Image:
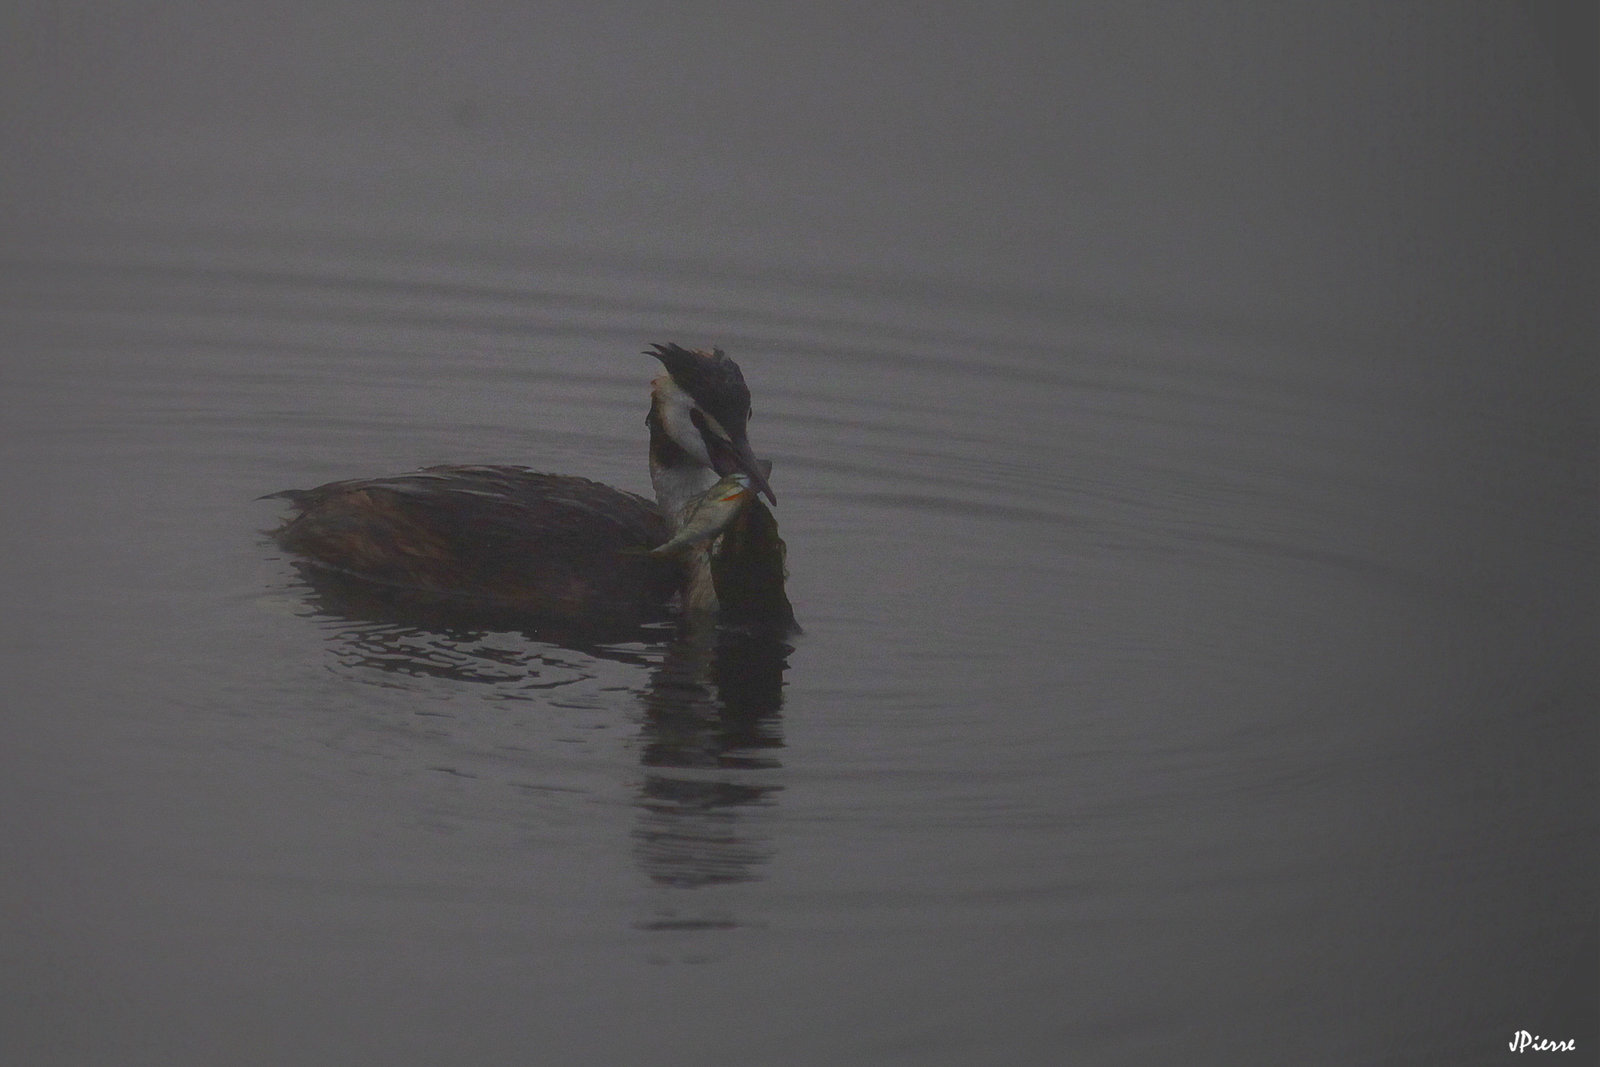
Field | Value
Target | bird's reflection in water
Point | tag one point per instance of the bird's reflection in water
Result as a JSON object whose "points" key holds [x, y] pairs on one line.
{"points": [[710, 729], [712, 732]]}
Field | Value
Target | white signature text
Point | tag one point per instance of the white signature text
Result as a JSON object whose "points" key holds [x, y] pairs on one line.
{"points": [[1522, 1041]]}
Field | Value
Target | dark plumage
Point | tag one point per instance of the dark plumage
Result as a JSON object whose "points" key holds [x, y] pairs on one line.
{"points": [[513, 539], [505, 535]]}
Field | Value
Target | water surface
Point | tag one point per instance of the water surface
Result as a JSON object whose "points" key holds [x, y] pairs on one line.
{"points": [[1185, 439]]}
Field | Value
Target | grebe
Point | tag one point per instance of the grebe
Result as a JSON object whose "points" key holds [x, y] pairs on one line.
{"points": [[557, 546]]}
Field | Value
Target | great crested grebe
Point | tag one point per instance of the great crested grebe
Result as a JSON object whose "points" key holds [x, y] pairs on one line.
{"points": [[558, 546]]}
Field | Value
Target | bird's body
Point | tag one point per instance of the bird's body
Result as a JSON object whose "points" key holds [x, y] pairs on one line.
{"points": [[511, 538]]}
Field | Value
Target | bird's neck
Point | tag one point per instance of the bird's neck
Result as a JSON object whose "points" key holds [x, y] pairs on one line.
{"points": [[677, 476], [739, 573]]}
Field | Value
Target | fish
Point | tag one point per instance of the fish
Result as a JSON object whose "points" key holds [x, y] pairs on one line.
{"points": [[708, 514]]}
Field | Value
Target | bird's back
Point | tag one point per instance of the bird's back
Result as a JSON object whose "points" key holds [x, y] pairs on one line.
{"points": [[515, 537]]}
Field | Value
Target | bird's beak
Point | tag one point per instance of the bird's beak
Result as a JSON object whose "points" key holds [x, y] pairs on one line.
{"points": [[727, 457]]}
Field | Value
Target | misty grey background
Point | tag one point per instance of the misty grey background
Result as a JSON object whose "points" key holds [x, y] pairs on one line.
{"points": [[1184, 422]]}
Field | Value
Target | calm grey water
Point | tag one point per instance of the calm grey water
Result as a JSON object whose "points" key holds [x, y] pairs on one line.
{"points": [[1184, 426]]}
